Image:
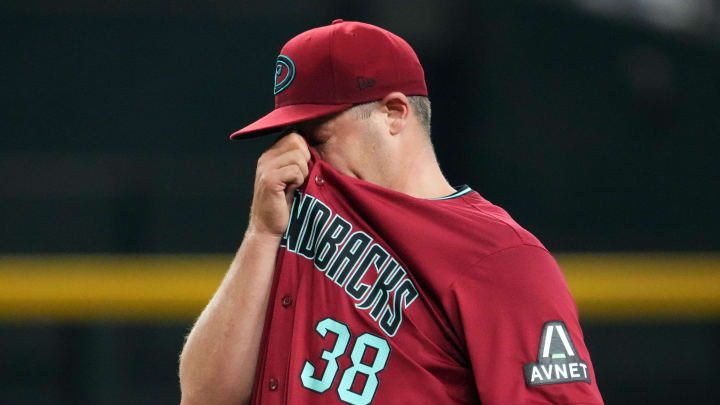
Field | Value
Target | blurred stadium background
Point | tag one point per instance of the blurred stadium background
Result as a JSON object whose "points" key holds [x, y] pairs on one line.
{"points": [[593, 122]]}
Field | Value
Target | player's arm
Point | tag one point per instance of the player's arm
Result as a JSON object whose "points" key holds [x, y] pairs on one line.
{"points": [[217, 364], [521, 330]]}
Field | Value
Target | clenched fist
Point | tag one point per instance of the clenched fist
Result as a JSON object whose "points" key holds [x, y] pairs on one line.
{"points": [[280, 171]]}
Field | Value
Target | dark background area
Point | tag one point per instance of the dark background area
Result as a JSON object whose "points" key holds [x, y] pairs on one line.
{"points": [[594, 134], [597, 134]]}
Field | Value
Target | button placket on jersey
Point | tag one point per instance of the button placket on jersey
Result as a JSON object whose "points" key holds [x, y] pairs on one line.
{"points": [[280, 337], [277, 371]]}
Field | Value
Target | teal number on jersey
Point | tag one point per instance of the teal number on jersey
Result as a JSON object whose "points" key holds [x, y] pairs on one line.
{"points": [[331, 369], [368, 391], [361, 344]]}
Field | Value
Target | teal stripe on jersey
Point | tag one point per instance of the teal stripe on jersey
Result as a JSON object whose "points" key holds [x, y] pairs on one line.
{"points": [[464, 190]]}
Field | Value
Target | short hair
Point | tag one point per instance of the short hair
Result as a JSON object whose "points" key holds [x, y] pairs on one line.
{"points": [[419, 104]]}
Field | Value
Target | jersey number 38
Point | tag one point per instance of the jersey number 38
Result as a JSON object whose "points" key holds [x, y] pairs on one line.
{"points": [[346, 394]]}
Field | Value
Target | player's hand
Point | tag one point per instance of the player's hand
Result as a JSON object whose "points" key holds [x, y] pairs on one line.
{"points": [[280, 171]]}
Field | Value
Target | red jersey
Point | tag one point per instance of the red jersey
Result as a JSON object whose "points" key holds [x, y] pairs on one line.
{"points": [[382, 298]]}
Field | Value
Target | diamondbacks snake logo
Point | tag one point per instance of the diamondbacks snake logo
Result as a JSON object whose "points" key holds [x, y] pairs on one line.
{"points": [[284, 73]]}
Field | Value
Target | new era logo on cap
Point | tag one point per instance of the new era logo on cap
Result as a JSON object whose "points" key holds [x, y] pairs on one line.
{"points": [[365, 82], [328, 69]]}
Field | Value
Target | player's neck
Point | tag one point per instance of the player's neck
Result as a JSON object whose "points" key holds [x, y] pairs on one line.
{"points": [[417, 173], [405, 162]]}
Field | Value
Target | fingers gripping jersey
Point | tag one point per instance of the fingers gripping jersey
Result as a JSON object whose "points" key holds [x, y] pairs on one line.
{"points": [[382, 298]]}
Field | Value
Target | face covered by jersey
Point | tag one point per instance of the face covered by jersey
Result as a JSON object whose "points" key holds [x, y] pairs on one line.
{"points": [[379, 297]]}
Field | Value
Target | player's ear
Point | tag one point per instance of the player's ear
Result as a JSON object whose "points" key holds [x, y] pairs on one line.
{"points": [[397, 108]]}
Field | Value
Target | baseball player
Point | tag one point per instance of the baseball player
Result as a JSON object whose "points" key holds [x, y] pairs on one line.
{"points": [[363, 276]]}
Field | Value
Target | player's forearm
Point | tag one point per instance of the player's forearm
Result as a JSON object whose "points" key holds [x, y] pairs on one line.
{"points": [[217, 365]]}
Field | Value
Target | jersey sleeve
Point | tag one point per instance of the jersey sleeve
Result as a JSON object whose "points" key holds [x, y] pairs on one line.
{"points": [[520, 326]]}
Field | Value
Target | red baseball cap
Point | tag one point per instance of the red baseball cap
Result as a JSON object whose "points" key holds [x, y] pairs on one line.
{"points": [[329, 69]]}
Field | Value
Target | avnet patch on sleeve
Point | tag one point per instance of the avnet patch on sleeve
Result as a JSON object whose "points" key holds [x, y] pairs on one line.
{"points": [[558, 361]]}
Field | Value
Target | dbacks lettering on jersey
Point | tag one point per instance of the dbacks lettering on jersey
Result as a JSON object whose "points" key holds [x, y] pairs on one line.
{"points": [[316, 233]]}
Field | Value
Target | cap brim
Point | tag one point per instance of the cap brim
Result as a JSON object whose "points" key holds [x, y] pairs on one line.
{"points": [[283, 116]]}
